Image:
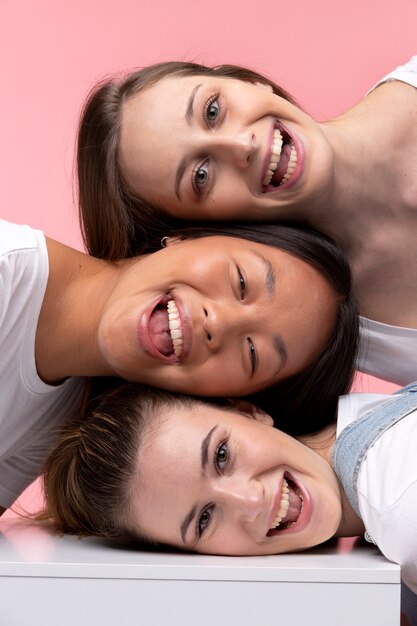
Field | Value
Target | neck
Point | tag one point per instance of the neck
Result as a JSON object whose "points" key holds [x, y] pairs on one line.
{"points": [[372, 145], [66, 337], [322, 443]]}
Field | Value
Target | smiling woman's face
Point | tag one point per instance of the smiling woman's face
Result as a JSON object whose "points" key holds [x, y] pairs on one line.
{"points": [[204, 147], [215, 316], [231, 485]]}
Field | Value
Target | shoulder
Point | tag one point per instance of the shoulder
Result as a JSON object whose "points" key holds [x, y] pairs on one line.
{"points": [[30, 417], [395, 532], [22, 249], [387, 482], [406, 73], [388, 352], [24, 268], [387, 489], [17, 237]]}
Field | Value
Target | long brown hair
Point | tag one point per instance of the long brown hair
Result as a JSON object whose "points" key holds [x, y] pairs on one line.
{"points": [[117, 223], [89, 476]]}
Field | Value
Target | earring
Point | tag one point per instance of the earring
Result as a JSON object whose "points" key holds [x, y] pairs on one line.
{"points": [[164, 242]]}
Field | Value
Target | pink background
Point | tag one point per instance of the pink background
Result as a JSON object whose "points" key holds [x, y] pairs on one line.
{"points": [[327, 53]]}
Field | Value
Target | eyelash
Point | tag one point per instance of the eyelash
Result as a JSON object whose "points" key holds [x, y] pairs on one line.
{"points": [[197, 186], [253, 355], [252, 350], [213, 99], [208, 511], [242, 284]]}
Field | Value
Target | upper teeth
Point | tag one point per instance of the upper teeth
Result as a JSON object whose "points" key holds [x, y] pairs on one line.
{"points": [[284, 505], [275, 157], [175, 330]]}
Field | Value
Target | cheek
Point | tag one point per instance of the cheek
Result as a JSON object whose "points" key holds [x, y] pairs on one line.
{"points": [[232, 540], [110, 335], [210, 378], [204, 276], [231, 194], [223, 206], [328, 514]]}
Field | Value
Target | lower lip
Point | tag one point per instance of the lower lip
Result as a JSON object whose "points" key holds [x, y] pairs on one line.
{"points": [[298, 168], [304, 517], [144, 338]]}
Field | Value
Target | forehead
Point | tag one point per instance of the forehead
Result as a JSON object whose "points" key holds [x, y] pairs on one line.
{"points": [[169, 466], [178, 86], [164, 107], [166, 100], [174, 443], [153, 126], [261, 260], [258, 255], [220, 245], [172, 449], [184, 423]]}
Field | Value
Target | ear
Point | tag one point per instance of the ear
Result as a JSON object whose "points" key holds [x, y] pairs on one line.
{"points": [[252, 411], [263, 86]]}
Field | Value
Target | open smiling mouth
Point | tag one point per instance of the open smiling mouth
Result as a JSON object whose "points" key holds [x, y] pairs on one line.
{"points": [[283, 160], [290, 508], [165, 329]]}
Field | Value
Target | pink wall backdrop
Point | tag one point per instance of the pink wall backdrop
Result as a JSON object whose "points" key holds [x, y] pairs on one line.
{"points": [[326, 52]]}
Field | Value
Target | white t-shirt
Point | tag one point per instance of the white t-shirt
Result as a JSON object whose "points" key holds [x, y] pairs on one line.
{"points": [[30, 410], [407, 73], [387, 484], [390, 352]]}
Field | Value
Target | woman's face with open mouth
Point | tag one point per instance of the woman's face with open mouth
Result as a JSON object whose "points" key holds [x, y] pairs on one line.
{"points": [[216, 482], [203, 147], [215, 316]]}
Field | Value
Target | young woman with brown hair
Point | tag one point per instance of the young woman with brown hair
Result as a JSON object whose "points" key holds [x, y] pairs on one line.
{"points": [[180, 141], [230, 484]]}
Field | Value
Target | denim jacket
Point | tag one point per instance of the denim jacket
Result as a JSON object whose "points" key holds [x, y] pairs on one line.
{"points": [[358, 437]]}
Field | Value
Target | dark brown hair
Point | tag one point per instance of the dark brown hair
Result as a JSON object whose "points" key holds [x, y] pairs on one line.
{"points": [[306, 402], [117, 223]]}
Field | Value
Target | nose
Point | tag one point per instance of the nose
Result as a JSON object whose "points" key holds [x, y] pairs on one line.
{"points": [[237, 147], [243, 497], [223, 321]]}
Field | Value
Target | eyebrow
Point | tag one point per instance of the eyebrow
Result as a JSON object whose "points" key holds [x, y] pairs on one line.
{"points": [[270, 278], [281, 349], [189, 114], [189, 111], [270, 283], [205, 445]]}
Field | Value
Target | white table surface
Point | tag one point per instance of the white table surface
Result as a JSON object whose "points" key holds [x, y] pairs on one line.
{"points": [[99, 584]]}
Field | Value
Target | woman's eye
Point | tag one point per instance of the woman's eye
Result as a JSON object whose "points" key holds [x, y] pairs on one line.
{"points": [[204, 520], [212, 110], [200, 177], [222, 456], [242, 284], [253, 355]]}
